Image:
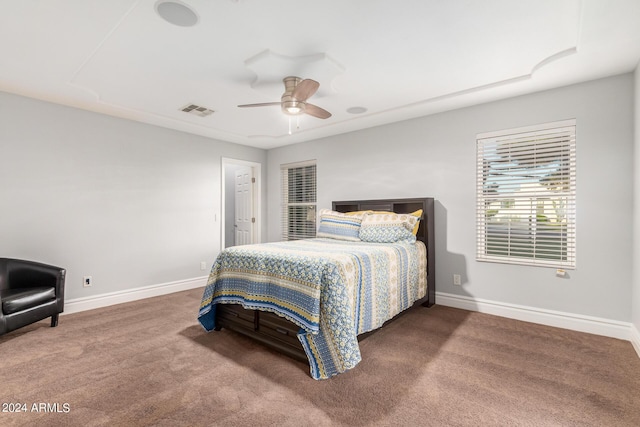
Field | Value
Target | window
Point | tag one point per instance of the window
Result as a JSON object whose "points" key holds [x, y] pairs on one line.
{"points": [[526, 204], [298, 200]]}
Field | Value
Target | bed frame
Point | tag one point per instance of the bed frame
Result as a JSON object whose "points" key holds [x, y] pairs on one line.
{"points": [[281, 334]]}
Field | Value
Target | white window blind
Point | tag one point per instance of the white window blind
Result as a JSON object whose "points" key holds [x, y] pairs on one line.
{"points": [[526, 195], [298, 200]]}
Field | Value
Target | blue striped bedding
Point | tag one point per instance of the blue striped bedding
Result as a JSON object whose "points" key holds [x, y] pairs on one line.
{"points": [[333, 290]]}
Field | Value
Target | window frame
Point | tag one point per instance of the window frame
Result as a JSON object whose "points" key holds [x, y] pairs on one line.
{"points": [[306, 220], [508, 231]]}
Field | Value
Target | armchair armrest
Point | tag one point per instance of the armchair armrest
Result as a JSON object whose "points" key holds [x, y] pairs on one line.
{"points": [[16, 273]]}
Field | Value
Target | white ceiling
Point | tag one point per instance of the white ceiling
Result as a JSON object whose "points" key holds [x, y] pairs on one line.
{"points": [[398, 59]]}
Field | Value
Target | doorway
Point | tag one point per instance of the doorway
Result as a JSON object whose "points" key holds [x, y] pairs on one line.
{"points": [[240, 202]]}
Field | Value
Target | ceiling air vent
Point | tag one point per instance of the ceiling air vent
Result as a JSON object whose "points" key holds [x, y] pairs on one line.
{"points": [[197, 110]]}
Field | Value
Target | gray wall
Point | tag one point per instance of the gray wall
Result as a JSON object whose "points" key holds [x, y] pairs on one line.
{"points": [[130, 204], [133, 205], [435, 156], [636, 210]]}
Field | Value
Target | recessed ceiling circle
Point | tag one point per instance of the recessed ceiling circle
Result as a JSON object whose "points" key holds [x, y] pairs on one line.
{"points": [[176, 13], [356, 110]]}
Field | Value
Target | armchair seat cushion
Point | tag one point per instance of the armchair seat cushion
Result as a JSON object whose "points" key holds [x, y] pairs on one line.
{"points": [[14, 300]]}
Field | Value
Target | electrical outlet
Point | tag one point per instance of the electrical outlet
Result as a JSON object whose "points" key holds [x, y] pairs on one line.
{"points": [[456, 280], [203, 265], [87, 281]]}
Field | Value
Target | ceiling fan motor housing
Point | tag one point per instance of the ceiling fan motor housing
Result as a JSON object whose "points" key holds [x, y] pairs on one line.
{"points": [[291, 105]]}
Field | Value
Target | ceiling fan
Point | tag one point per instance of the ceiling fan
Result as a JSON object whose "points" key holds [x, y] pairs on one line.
{"points": [[294, 99]]}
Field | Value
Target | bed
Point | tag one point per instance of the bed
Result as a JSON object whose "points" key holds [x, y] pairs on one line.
{"points": [[314, 299]]}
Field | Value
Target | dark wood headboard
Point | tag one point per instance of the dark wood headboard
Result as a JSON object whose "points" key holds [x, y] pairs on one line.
{"points": [[426, 230]]}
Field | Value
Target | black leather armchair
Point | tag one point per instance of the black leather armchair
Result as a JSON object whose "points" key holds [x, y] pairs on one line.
{"points": [[29, 292]]}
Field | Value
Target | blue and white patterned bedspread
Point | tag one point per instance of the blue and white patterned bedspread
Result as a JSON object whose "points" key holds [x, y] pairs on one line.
{"points": [[334, 290]]}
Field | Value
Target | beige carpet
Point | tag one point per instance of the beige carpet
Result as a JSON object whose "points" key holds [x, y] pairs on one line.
{"points": [[150, 363]]}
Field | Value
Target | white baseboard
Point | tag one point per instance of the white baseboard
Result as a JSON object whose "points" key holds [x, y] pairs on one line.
{"points": [[635, 338], [575, 322], [103, 300]]}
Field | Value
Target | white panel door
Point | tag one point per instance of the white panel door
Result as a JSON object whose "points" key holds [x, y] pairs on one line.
{"points": [[244, 206]]}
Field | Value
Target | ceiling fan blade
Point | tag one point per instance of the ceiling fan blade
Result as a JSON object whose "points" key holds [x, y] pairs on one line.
{"points": [[263, 104], [305, 89], [315, 111]]}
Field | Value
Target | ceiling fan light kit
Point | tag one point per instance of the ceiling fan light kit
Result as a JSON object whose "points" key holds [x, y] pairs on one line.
{"points": [[294, 109]]}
